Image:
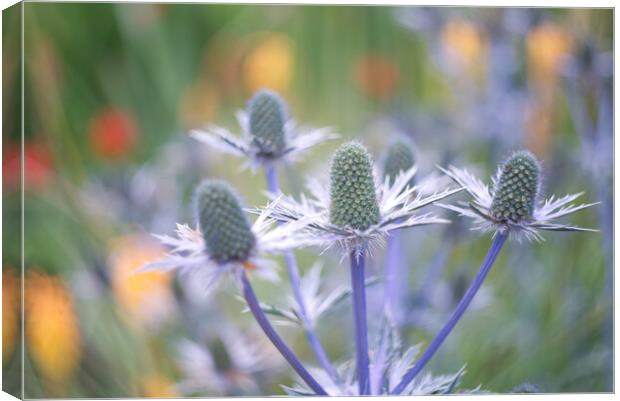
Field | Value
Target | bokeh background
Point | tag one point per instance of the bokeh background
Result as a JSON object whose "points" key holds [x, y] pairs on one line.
{"points": [[111, 91]]}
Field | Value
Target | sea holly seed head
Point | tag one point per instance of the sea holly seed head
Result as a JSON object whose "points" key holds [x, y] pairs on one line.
{"points": [[353, 197], [516, 189], [267, 113], [225, 227], [398, 158]]}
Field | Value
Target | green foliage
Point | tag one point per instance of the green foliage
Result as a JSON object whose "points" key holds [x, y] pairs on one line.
{"points": [[225, 227], [517, 188], [267, 113], [353, 197]]}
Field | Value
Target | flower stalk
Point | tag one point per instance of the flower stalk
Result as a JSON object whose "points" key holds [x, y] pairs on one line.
{"points": [[359, 319], [277, 341], [485, 268], [273, 186]]}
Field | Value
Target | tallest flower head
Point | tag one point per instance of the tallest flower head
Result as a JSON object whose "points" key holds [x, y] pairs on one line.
{"points": [[356, 211], [353, 200], [512, 203], [268, 135]]}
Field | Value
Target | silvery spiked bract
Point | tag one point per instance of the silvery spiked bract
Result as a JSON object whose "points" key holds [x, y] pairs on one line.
{"points": [[512, 203], [388, 364], [358, 212], [268, 135], [224, 240]]}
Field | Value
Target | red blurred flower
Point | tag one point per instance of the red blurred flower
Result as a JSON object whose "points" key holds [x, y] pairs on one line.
{"points": [[376, 75], [113, 134], [37, 167]]}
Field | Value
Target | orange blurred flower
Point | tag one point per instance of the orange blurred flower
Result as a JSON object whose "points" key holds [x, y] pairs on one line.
{"points": [[465, 46], [52, 334], [113, 133], [146, 297], [156, 385], [198, 105], [538, 128], [376, 75], [37, 167], [547, 47], [270, 64], [10, 311]]}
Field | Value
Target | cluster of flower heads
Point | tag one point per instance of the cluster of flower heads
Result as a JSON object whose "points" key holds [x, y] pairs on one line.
{"points": [[357, 210]]}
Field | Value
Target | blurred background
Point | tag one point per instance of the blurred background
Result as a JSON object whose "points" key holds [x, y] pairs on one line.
{"points": [[111, 91]]}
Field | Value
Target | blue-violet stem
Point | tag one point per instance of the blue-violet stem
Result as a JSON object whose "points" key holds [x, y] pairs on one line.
{"points": [[359, 319], [293, 273], [286, 352], [487, 264]]}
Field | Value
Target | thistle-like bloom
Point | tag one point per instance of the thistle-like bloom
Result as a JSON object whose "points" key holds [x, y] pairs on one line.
{"points": [[268, 135], [224, 240], [358, 212], [513, 202], [398, 158]]}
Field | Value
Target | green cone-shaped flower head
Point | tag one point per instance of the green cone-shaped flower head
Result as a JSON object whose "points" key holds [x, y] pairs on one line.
{"points": [[516, 188], [224, 225], [267, 114], [398, 158], [353, 197]]}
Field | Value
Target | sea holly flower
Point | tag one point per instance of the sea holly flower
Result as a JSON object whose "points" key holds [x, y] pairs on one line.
{"points": [[398, 158], [268, 134], [512, 204], [511, 207], [357, 211], [226, 241]]}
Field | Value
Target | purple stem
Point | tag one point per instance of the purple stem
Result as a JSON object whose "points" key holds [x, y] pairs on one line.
{"points": [[359, 318], [293, 273], [496, 246], [286, 352]]}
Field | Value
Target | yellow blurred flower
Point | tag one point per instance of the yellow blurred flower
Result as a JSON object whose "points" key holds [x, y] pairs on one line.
{"points": [[547, 47], [465, 46], [198, 105], [146, 297], [10, 311], [156, 385], [52, 334], [270, 64]]}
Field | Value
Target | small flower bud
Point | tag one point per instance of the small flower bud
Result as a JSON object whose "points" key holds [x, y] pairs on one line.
{"points": [[398, 158], [224, 225], [353, 197], [516, 189], [267, 113]]}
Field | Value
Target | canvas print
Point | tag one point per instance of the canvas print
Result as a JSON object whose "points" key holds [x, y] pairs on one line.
{"points": [[214, 200]]}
